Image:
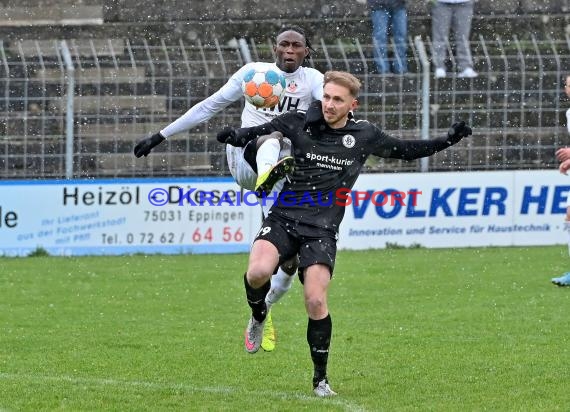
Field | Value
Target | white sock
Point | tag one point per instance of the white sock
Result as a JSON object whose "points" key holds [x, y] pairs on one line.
{"points": [[267, 155], [280, 284]]}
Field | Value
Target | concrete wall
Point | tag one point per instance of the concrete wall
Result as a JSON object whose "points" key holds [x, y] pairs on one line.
{"points": [[216, 10], [176, 10], [224, 19]]}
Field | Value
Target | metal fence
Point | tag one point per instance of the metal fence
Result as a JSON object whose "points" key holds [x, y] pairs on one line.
{"points": [[75, 108]]}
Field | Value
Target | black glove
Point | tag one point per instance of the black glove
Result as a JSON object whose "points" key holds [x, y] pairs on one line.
{"points": [[458, 131], [234, 137], [314, 120], [226, 134], [314, 113], [144, 146]]}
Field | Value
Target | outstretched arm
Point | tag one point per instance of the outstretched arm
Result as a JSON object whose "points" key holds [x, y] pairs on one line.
{"points": [[206, 109], [414, 149], [197, 114]]}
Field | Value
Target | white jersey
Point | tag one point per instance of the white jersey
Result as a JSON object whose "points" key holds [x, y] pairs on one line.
{"points": [[303, 86]]}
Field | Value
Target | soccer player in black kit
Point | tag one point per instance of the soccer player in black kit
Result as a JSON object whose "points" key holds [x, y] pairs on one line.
{"points": [[330, 148]]}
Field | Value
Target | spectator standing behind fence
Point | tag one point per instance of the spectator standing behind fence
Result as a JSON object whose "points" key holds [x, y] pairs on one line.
{"points": [[386, 16], [563, 156], [455, 15]]}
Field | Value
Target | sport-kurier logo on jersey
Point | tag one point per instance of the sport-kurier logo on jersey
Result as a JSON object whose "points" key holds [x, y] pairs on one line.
{"points": [[329, 161], [348, 141], [292, 86]]}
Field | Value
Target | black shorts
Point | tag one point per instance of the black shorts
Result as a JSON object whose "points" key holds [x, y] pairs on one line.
{"points": [[250, 153], [313, 244]]}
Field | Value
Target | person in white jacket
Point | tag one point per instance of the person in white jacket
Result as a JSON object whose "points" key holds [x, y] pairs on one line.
{"points": [[455, 15], [260, 165]]}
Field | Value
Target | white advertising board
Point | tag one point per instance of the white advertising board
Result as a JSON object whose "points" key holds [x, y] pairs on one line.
{"points": [[511, 208], [211, 215], [125, 216]]}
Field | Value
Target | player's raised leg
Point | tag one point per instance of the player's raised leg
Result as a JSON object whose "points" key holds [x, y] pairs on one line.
{"points": [[274, 161]]}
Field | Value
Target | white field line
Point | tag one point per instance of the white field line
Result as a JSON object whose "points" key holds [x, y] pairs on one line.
{"points": [[338, 401]]}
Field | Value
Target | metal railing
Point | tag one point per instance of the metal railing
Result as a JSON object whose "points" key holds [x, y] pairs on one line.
{"points": [[122, 90]]}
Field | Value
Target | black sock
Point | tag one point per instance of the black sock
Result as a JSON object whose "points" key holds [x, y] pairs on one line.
{"points": [[256, 299], [319, 334]]}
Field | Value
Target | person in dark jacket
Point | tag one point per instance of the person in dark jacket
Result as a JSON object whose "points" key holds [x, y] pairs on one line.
{"points": [[386, 16], [330, 149]]}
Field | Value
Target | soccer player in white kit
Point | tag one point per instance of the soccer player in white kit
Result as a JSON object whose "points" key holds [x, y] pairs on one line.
{"points": [[259, 159]]}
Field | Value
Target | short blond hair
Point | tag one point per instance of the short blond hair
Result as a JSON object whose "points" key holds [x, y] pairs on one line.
{"points": [[344, 79]]}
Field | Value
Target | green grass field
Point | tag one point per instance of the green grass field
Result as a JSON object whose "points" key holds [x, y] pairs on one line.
{"points": [[414, 329]]}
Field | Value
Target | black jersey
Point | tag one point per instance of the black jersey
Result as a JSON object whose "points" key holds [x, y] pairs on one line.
{"points": [[328, 162]]}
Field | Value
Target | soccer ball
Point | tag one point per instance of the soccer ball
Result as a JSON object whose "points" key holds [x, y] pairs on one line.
{"points": [[263, 86]]}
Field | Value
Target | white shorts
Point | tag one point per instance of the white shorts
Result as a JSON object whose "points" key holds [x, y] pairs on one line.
{"points": [[239, 168]]}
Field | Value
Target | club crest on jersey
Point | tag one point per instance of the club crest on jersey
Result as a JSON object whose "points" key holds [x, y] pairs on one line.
{"points": [[292, 86], [348, 141]]}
